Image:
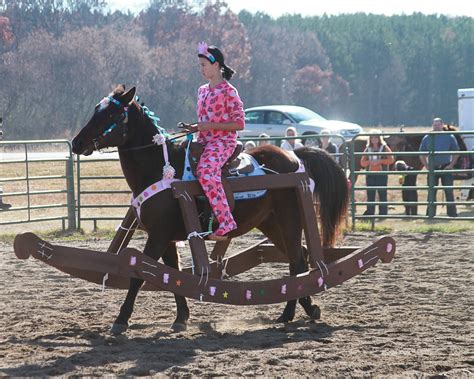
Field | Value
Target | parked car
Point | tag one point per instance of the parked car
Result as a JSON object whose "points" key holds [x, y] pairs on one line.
{"points": [[275, 119]]}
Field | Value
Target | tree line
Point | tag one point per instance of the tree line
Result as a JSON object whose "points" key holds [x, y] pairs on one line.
{"points": [[58, 58]]}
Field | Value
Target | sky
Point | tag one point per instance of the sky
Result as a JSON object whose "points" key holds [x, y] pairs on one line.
{"points": [[277, 8]]}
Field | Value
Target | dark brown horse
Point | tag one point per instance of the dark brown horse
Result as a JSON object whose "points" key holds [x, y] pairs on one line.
{"points": [[407, 143], [120, 121], [413, 142]]}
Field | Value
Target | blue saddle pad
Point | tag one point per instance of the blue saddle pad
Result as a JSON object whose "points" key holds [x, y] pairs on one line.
{"points": [[188, 175]]}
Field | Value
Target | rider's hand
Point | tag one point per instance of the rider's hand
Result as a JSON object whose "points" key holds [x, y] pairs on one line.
{"points": [[188, 127]]}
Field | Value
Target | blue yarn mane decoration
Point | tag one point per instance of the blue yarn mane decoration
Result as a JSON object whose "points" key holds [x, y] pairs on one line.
{"points": [[154, 119]]}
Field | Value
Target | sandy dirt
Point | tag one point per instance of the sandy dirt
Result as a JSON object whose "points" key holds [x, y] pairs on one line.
{"points": [[412, 317]]}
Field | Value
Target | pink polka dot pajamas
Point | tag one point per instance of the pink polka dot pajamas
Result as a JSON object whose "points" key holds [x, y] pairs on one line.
{"points": [[219, 104]]}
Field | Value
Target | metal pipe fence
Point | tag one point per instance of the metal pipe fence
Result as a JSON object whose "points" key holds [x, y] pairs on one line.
{"points": [[98, 191], [20, 170], [430, 190]]}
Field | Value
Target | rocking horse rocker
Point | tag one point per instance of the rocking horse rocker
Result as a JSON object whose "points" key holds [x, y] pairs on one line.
{"points": [[280, 206]]}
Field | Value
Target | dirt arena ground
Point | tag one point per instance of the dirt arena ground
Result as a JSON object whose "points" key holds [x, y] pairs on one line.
{"points": [[412, 317]]}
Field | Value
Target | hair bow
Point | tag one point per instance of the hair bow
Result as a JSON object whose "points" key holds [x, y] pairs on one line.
{"points": [[202, 50]]}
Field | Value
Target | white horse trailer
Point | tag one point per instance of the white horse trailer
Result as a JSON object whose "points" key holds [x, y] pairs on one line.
{"points": [[466, 122]]}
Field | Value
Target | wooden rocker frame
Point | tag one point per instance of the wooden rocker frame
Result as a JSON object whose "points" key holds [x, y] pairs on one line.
{"points": [[208, 280]]}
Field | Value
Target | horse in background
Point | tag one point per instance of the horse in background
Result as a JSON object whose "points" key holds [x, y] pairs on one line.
{"points": [[403, 143], [399, 143]]}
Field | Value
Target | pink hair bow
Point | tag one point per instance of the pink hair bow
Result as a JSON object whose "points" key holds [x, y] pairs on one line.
{"points": [[202, 50]]}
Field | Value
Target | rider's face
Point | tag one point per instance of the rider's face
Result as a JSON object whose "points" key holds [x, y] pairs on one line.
{"points": [[208, 70]]}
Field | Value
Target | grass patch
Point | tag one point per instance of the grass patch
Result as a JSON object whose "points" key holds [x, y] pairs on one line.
{"points": [[367, 227], [68, 235], [414, 226], [442, 228]]}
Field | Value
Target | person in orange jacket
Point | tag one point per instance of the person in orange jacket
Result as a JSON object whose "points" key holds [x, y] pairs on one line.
{"points": [[373, 162]]}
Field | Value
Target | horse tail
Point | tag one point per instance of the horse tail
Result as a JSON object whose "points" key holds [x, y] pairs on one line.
{"points": [[332, 189]]}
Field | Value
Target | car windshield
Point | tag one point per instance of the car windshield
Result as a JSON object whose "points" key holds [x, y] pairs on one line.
{"points": [[304, 114]]}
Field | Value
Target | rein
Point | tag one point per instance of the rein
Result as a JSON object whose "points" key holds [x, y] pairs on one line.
{"points": [[176, 135]]}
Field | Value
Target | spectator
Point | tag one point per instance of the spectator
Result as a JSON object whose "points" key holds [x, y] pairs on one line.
{"points": [[262, 143], [408, 180], [249, 146], [441, 142], [326, 144], [291, 144], [374, 163]]}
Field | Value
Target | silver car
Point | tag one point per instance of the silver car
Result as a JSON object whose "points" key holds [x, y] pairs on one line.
{"points": [[275, 119]]}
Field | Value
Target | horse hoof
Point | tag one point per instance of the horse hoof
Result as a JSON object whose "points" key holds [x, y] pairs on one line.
{"points": [[283, 319], [118, 329], [178, 327], [316, 314]]}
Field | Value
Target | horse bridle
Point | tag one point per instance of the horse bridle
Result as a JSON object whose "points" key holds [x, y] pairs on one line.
{"points": [[123, 122]]}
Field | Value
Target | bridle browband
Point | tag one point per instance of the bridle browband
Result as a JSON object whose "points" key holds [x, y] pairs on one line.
{"points": [[122, 122]]}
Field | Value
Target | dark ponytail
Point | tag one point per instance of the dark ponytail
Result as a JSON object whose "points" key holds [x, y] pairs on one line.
{"points": [[227, 72]]}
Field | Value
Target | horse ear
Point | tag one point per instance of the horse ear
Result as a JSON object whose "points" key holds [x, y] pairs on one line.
{"points": [[127, 97]]}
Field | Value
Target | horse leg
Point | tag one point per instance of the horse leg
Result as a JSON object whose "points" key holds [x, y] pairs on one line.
{"points": [[153, 249], [298, 264], [120, 324], [312, 310], [170, 258]]}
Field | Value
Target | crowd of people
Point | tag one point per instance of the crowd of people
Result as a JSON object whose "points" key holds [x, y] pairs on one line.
{"points": [[378, 158]]}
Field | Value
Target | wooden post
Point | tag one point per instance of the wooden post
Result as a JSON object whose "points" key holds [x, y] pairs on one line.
{"points": [[124, 233], [310, 223], [192, 225]]}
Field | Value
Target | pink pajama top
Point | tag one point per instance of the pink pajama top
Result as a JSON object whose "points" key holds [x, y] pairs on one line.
{"points": [[219, 104]]}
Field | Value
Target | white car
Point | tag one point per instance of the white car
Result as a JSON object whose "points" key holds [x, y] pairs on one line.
{"points": [[275, 119]]}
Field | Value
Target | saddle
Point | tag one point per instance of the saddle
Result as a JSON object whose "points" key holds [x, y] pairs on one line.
{"points": [[238, 164]]}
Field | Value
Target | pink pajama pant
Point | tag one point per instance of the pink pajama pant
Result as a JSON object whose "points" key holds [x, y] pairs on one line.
{"points": [[215, 155]]}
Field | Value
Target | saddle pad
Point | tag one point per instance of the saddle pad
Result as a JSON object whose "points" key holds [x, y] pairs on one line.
{"points": [[188, 176]]}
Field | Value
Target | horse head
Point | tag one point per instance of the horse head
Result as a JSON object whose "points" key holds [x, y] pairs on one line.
{"points": [[108, 126], [397, 142]]}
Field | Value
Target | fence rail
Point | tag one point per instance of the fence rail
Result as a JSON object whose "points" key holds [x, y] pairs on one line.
{"points": [[24, 177], [98, 192]]}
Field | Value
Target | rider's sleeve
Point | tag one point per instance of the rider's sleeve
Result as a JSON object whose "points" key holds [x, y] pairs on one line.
{"points": [[235, 108]]}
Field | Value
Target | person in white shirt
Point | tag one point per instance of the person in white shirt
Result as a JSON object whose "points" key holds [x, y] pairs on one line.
{"points": [[265, 142], [249, 146], [291, 144]]}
